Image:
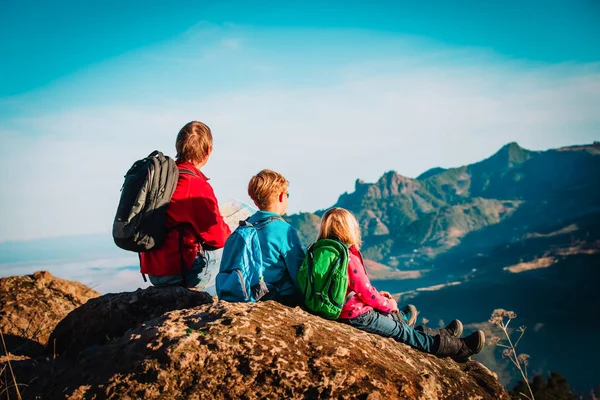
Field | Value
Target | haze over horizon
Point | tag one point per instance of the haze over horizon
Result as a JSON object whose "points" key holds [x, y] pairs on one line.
{"points": [[301, 89]]}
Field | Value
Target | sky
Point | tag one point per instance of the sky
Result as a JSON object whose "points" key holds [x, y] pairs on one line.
{"points": [[323, 92]]}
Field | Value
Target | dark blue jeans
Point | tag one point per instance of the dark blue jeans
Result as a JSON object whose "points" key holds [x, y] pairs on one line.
{"points": [[386, 326], [192, 278]]}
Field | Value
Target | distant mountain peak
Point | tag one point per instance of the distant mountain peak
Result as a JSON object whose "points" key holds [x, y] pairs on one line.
{"points": [[512, 145], [431, 172], [395, 176], [511, 148], [389, 177], [509, 155]]}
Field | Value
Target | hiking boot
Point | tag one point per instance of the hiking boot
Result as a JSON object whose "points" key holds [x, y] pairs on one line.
{"points": [[461, 350], [454, 328], [409, 314]]}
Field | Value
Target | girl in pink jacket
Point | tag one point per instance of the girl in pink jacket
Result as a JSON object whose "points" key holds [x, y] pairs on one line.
{"points": [[376, 312]]}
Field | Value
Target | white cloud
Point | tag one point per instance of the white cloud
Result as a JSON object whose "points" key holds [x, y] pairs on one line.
{"points": [[323, 129], [232, 43]]}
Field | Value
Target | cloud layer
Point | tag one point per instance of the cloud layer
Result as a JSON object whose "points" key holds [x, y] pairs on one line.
{"points": [[331, 108]]}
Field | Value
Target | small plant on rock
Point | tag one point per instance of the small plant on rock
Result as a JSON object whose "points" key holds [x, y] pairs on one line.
{"points": [[510, 349]]}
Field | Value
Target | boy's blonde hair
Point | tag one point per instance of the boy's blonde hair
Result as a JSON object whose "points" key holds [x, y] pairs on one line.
{"points": [[194, 142], [339, 223], [264, 185]]}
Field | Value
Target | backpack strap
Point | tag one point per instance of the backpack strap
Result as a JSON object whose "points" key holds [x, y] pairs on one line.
{"points": [[311, 266], [181, 259], [185, 171], [181, 229], [266, 222], [349, 296], [246, 223], [143, 275], [261, 223]]}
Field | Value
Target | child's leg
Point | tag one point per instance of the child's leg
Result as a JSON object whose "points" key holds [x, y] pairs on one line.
{"points": [[387, 327], [454, 328]]}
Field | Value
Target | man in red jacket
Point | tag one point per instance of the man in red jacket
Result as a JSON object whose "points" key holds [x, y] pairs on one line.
{"points": [[193, 220]]}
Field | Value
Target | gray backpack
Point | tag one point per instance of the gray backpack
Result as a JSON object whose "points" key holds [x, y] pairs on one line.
{"points": [[140, 220]]}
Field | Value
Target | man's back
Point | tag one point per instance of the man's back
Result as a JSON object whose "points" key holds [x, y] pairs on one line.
{"points": [[194, 208]]}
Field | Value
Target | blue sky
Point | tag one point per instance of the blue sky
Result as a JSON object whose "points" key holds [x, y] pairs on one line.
{"points": [[325, 92]]}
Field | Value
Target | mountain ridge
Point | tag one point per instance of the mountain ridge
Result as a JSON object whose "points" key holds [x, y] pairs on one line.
{"points": [[435, 210], [518, 230]]}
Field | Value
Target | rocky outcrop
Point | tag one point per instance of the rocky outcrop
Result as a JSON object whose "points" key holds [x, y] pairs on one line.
{"points": [[251, 351], [110, 316], [32, 305]]}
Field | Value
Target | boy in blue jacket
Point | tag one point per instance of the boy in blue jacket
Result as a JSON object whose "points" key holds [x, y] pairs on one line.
{"points": [[282, 252]]}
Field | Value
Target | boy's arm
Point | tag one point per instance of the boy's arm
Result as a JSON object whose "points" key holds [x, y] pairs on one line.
{"points": [[208, 221], [293, 255]]}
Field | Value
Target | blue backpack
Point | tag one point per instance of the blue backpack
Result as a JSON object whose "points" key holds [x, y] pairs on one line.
{"points": [[240, 277]]}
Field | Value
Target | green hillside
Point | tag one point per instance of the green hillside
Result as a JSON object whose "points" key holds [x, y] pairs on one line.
{"points": [[407, 223]]}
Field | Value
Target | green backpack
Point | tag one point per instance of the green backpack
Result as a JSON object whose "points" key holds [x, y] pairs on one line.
{"points": [[323, 278]]}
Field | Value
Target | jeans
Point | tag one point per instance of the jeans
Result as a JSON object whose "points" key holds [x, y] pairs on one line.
{"points": [[386, 326], [201, 275]]}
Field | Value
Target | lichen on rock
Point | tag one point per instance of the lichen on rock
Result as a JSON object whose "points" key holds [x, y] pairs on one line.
{"points": [[202, 348]]}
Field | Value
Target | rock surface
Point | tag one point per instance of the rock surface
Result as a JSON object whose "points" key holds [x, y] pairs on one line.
{"points": [[247, 351], [32, 305], [110, 316]]}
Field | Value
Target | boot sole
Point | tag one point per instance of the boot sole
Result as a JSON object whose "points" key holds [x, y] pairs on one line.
{"points": [[481, 336], [481, 342], [413, 315], [459, 331], [456, 333]]}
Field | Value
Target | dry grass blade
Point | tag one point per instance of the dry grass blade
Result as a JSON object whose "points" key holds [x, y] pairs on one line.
{"points": [[16, 386], [11, 386]]}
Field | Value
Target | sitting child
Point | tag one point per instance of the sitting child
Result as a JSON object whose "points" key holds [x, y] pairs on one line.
{"points": [[281, 252], [372, 311]]}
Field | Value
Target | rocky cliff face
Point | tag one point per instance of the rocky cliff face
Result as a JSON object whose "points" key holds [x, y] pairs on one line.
{"points": [[32, 305], [515, 190], [211, 349]]}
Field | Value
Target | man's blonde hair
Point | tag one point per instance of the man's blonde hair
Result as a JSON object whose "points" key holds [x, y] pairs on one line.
{"points": [[264, 185], [194, 142], [339, 223]]}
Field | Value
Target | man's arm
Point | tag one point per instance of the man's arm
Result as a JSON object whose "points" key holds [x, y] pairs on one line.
{"points": [[208, 221]]}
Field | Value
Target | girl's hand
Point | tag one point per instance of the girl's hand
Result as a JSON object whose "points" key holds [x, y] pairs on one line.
{"points": [[394, 305], [385, 294]]}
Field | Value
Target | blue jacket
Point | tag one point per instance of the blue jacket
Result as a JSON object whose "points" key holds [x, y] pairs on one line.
{"points": [[282, 255]]}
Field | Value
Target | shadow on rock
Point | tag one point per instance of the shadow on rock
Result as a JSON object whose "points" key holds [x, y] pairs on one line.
{"points": [[110, 316]]}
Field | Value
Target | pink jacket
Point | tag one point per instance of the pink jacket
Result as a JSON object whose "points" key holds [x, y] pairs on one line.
{"points": [[365, 297]]}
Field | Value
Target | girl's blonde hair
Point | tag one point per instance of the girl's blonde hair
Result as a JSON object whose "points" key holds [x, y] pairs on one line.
{"points": [[339, 223]]}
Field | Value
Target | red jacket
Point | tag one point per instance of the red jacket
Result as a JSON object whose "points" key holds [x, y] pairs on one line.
{"points": [[365, 297], [193, 203]]}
